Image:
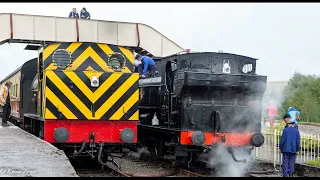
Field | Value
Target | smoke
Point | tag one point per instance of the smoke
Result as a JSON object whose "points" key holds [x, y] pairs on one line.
{"points": [[140, 152], [246, 117], [221, 161], [274, 94]]}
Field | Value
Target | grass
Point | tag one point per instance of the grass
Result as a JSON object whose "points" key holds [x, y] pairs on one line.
{"points": [[313, 163]]}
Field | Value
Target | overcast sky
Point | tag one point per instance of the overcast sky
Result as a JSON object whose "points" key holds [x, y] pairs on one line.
{"points": [[284, 36]]}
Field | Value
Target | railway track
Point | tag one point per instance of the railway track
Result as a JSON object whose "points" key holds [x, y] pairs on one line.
{"points": [[268, 173], [111, 172], [187, 173], [146, 166], [134, 168]]}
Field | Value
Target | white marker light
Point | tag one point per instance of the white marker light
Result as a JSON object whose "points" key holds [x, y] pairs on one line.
{"points": [[226, 67], [94, 81]]}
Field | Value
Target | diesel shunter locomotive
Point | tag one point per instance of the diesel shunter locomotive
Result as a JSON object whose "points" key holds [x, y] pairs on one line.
{"points": [[198, 101], [81, 97]]}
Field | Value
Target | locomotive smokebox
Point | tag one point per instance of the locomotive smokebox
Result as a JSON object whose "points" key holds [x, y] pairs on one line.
{"points": [[257, 139], [61, 135], [198, 138]]}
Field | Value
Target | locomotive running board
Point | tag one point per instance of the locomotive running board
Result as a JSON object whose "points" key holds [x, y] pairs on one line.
{"points": [[35, 29]]}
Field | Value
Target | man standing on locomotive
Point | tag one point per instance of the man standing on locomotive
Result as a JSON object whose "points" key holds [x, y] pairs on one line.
{"points": [[5, 97], [148, 64]]}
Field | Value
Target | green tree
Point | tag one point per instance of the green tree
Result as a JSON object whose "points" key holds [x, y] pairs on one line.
{"points": [[303, 93]]}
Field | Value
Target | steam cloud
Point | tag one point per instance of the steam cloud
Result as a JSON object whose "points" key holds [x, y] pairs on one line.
{"points": [[220, 159], [274, 94], [224, 165]]}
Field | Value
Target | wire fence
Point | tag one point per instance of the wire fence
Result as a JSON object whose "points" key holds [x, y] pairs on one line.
{"points": [[269, 151]]}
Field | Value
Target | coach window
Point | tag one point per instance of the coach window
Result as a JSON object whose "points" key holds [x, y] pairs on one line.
{"points": [[34, 85], [16, 90]]}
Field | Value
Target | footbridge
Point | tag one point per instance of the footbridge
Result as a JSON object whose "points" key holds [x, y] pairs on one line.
{"points": [[41, 30]]}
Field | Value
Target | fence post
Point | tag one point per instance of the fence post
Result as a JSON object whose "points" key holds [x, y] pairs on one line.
{"points": [[274, 148], [318, 138]]}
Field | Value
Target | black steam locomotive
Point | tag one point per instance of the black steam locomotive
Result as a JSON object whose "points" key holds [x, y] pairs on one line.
{"points": [[198, 101]]}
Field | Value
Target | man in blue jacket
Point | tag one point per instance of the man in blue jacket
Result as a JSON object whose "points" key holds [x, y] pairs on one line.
{"points": [[84, 14], [148, 64], [289, 146], [74, 14]]}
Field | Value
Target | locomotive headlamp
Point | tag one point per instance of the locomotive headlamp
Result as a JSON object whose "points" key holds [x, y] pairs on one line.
{"points": [[61, 135], [94, 81], [226, 67], [198, 138], [257, 139], [127, 135]]}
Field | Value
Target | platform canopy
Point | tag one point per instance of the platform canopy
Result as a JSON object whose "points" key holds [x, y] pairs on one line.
{"points": [[35, 29]]}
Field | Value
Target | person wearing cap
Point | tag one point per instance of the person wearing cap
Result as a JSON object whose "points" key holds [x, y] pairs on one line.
{"points": [[84, 14], [73, 13], [148, 64], [286, 119], [289, 145]]}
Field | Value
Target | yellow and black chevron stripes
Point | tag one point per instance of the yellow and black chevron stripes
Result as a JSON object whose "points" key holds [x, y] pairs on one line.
{"points": [[88, 56], [70, 96]]}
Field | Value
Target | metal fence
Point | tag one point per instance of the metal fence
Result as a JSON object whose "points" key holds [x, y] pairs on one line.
{"points": [[269, 151]]}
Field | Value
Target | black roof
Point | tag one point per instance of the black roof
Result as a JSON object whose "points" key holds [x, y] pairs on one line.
{"points": [[203, 53]]}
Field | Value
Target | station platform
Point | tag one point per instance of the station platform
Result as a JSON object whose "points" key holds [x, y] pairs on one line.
{"points": [[25, 155]]}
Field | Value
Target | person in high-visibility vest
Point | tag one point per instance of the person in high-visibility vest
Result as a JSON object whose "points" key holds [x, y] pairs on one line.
{"points": [[5, 97]]}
